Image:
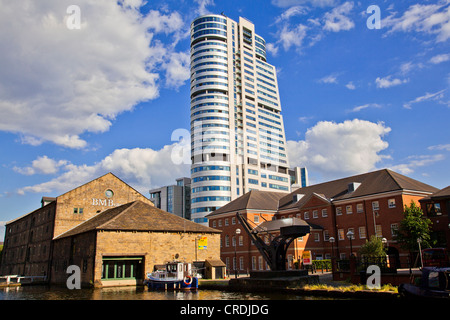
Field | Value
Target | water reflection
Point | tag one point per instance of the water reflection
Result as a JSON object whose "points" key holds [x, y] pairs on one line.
{"points": [[130, 293]]}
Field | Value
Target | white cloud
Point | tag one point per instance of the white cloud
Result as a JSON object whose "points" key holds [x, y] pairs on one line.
{"points": [[332, 78], [431, 19], [272, 49], [428, 96], [365, 106], [289, 3], [292, 12], [337, 20], [57, 84], [350, 86], [289, 37], [42, 165], [417, 161], [336, 149], [440, 147], [388, 82], [141, 168], [178, 69], [202, 4], [440, 58]]}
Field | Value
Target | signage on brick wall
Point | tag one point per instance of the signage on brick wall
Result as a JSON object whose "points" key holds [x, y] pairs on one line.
{"points": [[306, 257], [103, 202], [203, 243]]}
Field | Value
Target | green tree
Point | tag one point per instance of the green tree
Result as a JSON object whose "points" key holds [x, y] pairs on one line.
{"points": [[373, 248], [413, 226]]}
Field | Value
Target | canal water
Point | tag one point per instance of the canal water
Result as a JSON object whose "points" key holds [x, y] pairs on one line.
{"points": [[134, 293]]}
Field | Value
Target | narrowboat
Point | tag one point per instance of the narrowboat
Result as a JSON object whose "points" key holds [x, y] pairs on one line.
{"points": [[434, 283]]}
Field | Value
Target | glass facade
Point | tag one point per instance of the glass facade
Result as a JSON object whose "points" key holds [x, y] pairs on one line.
{"points": [[236, 116]]}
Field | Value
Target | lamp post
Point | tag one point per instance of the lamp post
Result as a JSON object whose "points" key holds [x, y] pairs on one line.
{"points": [[332, 240], [350, 237], [238, 232]]}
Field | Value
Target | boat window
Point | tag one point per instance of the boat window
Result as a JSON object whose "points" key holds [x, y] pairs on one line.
{"points": [[433, 280]]}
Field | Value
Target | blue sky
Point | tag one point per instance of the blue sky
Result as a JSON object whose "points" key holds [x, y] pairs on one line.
{"points": [[78, 103]]}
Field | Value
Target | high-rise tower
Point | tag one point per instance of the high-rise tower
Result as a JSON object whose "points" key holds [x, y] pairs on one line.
{"points": [[237, 133]]}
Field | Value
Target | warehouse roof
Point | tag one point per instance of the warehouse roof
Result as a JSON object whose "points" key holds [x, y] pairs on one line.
{"points": [[137, 216]]}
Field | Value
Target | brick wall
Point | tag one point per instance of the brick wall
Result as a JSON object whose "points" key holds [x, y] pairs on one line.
{"points": [[155, 248]]}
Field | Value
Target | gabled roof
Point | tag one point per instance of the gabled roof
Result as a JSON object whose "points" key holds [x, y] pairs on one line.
{"points": [[137, 216], [99, 178], [441, 194], [371, 183], [254, 199], [300, 203]]}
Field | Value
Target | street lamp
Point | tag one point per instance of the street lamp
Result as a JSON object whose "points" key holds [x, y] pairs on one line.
{"points": [[350, 237], [332, 240], [238, 232]]}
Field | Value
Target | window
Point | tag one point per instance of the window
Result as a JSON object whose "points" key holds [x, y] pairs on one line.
{"points": [[326, 235], [316, 237], [241, 241], [256, 219], [338, 211], [121, 268], [214, 223], [306, 215], [433, 209], [378, 230], [233, 220], [353, 231], [253, 263], [315, 213], [341, 235], [391, 203], [375, 205], [77, 210], [362, 232], [359, 208], [220, 223], [394, 228], [324, 213], [241, 263], [226, 222], [349, 209]]}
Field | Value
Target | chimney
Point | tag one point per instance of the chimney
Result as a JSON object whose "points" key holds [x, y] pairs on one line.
{"points": [[353, 186], [297, 197]]}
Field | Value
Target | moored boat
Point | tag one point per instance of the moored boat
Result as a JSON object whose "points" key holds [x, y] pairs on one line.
{"points": [[175, 276], [434, 283]]}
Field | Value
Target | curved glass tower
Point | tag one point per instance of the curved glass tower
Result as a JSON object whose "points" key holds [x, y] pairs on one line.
{"points": [[237, 132]]}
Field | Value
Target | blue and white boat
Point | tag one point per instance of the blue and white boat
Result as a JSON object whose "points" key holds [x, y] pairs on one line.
{"points": [[175, 276]]}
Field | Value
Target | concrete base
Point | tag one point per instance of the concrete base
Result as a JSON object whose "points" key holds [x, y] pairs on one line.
{"points": [[278, 274], [273, 280]]}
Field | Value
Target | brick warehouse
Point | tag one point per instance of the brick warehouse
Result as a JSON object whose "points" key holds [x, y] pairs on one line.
{"points": [[367, 204], [79, 223]]}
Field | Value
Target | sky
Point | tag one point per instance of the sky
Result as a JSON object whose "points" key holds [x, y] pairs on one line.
{"points": [[104, 87]]}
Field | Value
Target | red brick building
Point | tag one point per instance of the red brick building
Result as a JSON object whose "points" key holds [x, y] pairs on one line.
{"points": [[437, 207], [366, 204]]}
